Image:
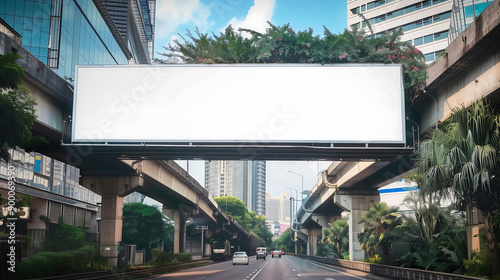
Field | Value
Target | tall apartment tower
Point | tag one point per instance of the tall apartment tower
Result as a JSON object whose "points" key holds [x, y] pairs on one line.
{"points": [[425, 24], [278, 208], [245, 180]]}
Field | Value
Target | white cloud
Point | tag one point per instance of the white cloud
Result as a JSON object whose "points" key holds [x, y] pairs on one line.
{"points": [[257, 17], [170, 14]]}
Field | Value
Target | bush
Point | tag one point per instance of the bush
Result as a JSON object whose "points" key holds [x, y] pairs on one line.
{"points": [[47, 264], [160, 258], [183, 257], [73, 236], [479, 266]]}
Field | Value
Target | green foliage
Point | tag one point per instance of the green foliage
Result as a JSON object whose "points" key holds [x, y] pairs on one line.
{"points": [[247, 219], [479, 265], [433, 240], [377, 222], [47, 264], [160, 258], [144, 226], [182, 257], [17, 112], [284, 242], [461, 160], [11, 74], [235, 207], [62, 237], [376, 260], [16, 210], [338, 236]]}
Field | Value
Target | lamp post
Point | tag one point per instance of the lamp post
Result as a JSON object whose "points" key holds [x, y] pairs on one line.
{"points": [[202, 228], [302, 178], [296, 195]]}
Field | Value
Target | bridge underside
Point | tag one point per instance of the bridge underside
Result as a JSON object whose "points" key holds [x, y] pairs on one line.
{"points": [[244, 151]]}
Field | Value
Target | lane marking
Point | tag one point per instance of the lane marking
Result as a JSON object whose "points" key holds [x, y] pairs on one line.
{"points": [[325, 267], [262, 267]]}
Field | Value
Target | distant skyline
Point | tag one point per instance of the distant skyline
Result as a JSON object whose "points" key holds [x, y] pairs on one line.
{"points": [[174, 17]]}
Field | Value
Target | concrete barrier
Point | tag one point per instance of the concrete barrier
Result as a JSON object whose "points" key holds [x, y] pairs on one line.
{"points": [[390, 271]]}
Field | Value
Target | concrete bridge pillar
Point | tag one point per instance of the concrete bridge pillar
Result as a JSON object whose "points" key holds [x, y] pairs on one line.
{"points": [[179, 219], [355, 201], [313, 237], [112, 190]]}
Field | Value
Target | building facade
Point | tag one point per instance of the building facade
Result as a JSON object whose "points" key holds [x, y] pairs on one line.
{"points": [[425, 24], [64, 33], [278, 208], [55, 36], [245, 180]]}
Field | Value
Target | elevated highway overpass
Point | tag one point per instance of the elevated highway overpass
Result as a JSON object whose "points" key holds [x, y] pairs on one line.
{"points": [[468, 71]]}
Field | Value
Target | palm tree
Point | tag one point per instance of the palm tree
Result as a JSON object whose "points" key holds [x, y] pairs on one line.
{"points": [[338, 235], [379, 219], [460, 160]]}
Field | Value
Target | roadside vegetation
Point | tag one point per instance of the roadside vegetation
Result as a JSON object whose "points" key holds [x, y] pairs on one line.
{"points": [[252, 222]]}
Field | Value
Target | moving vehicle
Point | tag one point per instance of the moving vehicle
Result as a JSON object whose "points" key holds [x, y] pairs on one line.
{"points": [[240, 257], [276, 253], [261, 253]]}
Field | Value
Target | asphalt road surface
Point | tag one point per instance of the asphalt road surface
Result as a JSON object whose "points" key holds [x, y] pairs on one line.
{"points": [[286, 267]]}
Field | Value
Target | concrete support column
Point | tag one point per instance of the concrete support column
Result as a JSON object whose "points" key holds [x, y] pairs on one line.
{"points": [[313, 236], [111, 227], [179, 229], [112, 190], [355, 201]]}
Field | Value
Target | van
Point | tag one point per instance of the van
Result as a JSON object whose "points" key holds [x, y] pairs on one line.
{"points": [[261, 252]]}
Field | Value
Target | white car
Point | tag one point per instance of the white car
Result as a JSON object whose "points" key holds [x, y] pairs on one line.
{"points": [[240, 258]]}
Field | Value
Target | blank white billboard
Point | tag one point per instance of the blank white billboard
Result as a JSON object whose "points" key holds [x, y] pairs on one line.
{"points": [[250, 103]]}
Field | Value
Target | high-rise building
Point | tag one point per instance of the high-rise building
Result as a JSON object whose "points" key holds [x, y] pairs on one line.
{"points": [[245, 180], [63, 33], [425, 24], [278, 208]]}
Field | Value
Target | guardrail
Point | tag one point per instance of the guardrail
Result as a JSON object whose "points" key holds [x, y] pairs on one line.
{"points": [[396, 272], [105, 275]]}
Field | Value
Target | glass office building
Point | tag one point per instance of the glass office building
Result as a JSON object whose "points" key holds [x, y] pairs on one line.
{"points": [[64, 33], [464, 13], [45, 173]]}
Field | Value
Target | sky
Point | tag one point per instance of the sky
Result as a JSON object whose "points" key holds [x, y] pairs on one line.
{"points": [[174, 17]]}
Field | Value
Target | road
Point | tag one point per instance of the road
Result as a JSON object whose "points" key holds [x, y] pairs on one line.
{"points": [[286, 267]]}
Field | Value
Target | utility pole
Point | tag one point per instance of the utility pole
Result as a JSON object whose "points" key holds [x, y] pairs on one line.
{"points": [[202, 228]]}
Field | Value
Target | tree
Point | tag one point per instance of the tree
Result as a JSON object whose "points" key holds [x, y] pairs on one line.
{"points": [[248, 219], [284, 242], [144, 225], [234, 206], [338, 235], [17, 113], [63, 237], [379, 219], [461, 160]]}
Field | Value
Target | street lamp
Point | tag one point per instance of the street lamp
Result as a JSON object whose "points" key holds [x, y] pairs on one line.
{"points": [[296, 195], [301, 177]]}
